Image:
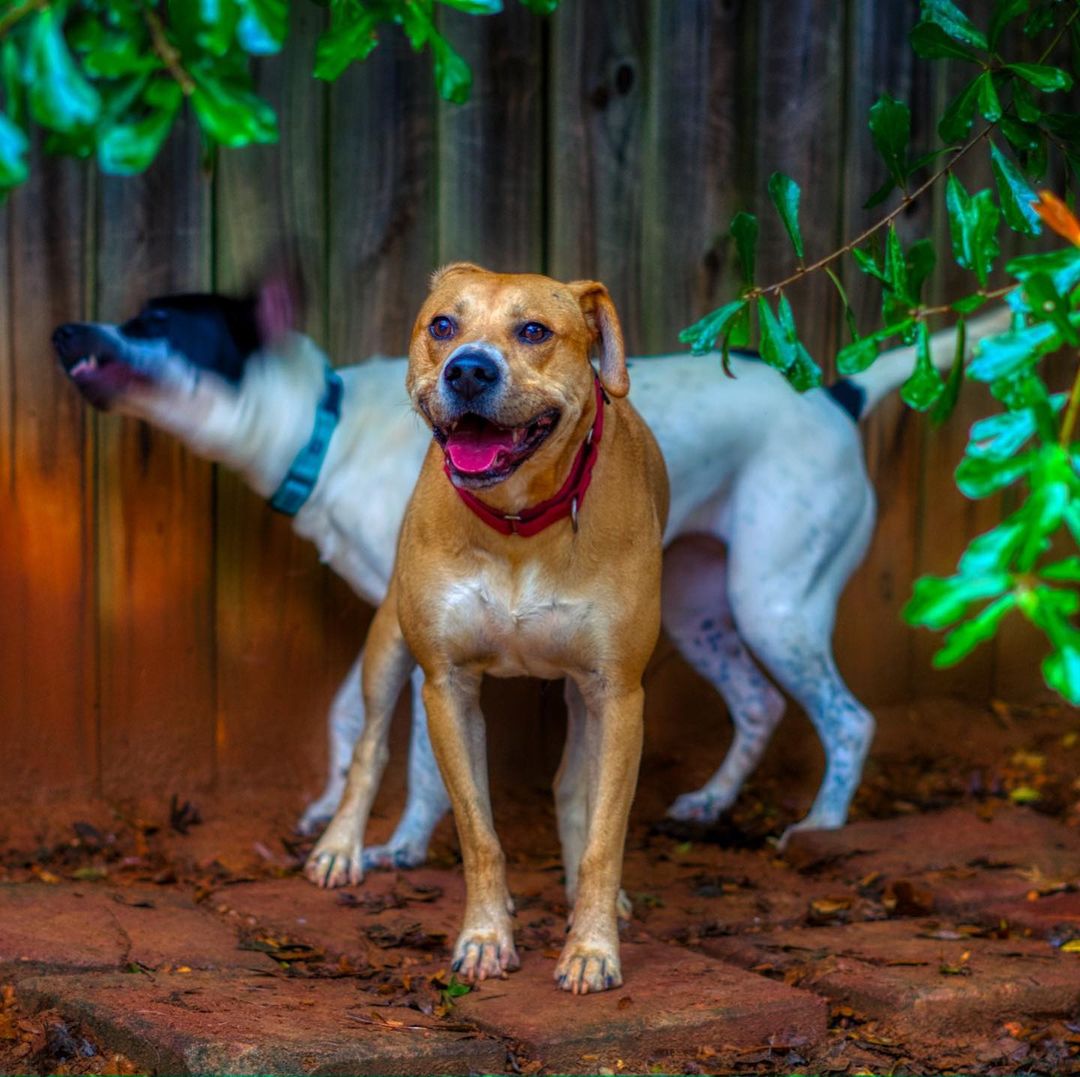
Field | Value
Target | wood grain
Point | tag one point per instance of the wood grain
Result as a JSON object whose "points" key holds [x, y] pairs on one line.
{"points": [[47, 658], [155, 549]]}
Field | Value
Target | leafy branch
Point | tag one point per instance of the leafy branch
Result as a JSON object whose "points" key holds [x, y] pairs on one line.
{"points": [[1031, 444], [110, 79]]}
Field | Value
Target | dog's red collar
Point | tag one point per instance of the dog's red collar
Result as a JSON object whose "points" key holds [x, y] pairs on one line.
{"points": [[567, 502]]}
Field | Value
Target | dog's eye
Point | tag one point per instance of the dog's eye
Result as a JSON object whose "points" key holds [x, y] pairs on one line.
{"points": [[442, 328], [534, 333]]}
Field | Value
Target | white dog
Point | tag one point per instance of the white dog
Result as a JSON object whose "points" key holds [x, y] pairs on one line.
{"points": [[777, 476]]}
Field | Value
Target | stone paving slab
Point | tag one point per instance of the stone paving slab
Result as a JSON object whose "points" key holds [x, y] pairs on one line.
{"points": [[673, 1001], [892, 971], [1004, 838], [95, 926], [204, 1023], [1055, 916]]}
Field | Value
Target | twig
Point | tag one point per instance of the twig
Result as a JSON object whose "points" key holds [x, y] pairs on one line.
{"points": [[1072, 409], [167, 52], [946, 308], [20, 12], [821, 263], [775, 289]]}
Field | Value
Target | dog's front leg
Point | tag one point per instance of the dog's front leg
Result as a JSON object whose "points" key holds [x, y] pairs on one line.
{"points": [[337, 858], [426, 800], [485, 947], [590, 958]]}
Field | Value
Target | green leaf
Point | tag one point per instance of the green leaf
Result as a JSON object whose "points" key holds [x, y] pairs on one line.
{"points": [[896, 300], [1001, 436], [921, 259], [744, 230], [777, 340], [962, 640], [868, 264], [1022, 136], [973, 224], [453, 77], [475, 7], [849, 314], [1042, 77], [890, 128], [1015, 194], [1010, 354], [1061, 671], [924, 386], [13, 149], [128, 148], [1004, 12], [540, 7], [937, 602], [784, 192], [1048, 305], [979, 477], [932, 43], [946, 403], [1025, 105], [230, 113], [263, 26], [989, 103], [804, 373], [60, 97], [858, 355], [350, 38], [955, 24], [956, 121], [1062, 267], [993, 550], [702, 335], [1065, 571]]}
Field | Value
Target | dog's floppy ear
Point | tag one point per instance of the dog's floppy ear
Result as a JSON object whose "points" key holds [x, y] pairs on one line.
{"points": [[599, 311], [449, 270]]}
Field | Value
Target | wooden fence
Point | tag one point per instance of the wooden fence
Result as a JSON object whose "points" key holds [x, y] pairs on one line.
{"points": [[158, 623]]}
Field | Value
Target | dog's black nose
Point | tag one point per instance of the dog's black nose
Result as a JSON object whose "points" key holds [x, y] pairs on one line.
{"points": [[470, 374]]}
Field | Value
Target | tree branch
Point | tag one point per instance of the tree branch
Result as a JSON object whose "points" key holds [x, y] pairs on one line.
{"points": [[167, 52], [19, 12]]}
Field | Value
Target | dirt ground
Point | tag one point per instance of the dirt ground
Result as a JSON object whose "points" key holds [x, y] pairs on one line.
{"points": [[939, 931]]}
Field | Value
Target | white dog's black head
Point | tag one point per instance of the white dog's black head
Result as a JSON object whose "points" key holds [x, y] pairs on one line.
{"points": [[167, 345]]}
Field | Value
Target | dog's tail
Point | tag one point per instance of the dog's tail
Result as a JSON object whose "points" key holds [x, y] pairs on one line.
{"points": [[861, 393]]}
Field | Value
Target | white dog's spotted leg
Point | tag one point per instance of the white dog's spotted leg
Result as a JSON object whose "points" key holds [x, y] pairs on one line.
{"points": [[346, 723], [427, 801], [337, 858], [698, 620]]}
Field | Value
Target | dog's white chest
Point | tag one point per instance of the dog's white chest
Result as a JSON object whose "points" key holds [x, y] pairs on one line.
{"points": [[515, 623]]}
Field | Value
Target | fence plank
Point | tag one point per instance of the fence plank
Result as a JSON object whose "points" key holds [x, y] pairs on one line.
{"points": [[598, 89], [491, 149], [382, 200], [873, 644], [155, 505], [698, 168], [273, 687], [47, 660]]}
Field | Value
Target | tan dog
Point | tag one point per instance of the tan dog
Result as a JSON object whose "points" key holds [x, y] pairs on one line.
{"points": [[532, 578]]}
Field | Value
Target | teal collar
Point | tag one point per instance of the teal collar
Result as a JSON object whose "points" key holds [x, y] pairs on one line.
{"points": [[296, 487]]}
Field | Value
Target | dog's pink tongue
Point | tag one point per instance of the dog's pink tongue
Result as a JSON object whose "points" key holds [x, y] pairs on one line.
{"points": [[474, 447]]}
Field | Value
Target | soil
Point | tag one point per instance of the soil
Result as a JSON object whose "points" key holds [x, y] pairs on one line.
{"points": [[940, 930]]}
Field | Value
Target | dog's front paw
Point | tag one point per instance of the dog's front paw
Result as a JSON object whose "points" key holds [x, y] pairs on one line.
{"points": [[394, 855], [484, 955], [583, 968], [698, 807], [334, 864]]}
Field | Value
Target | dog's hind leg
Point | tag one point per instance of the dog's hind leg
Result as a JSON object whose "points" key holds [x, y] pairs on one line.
{"points": [[697, 618], [426, 798], [345, 723], [784, 590], [337, 858]]}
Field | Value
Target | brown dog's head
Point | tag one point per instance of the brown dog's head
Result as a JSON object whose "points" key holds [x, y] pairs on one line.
{"points": [[499, 365]]}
